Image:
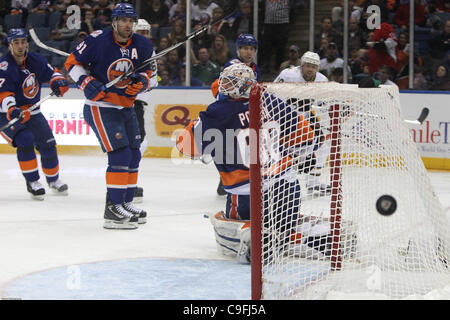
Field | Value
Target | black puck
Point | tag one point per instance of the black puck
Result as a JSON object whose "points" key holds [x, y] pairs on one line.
{"points": [[386, 205]]}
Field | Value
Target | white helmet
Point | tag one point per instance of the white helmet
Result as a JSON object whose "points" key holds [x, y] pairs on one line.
{"points": [[310, 57], [236, 81], [142, 24]]}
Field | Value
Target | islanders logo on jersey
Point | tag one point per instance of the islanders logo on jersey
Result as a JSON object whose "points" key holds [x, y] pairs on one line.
{"points": [[30, 86], [117, 68]]}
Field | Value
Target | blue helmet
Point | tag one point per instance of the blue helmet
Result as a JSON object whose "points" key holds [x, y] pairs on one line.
{"points": [[124, 10], [246, 39], [17, 34]]}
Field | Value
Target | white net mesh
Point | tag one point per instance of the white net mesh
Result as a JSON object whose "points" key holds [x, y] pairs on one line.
{"points": [[323, 236]]}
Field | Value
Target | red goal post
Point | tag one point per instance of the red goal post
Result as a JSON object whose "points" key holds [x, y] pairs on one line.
{"points": [[339, 244]]}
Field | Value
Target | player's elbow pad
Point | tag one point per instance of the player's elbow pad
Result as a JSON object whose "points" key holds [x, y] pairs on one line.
{"points": [[186, 144]]}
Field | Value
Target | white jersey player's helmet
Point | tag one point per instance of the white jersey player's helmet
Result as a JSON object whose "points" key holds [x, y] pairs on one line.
{"points": [[236, 81], [142, 24], [310, 57]]}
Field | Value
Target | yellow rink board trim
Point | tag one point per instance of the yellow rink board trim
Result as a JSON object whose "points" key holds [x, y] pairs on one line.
{"points": [[168, 152]]}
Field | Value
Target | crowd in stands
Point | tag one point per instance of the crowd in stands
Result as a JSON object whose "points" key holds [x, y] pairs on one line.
{"points": [[383, 53]]}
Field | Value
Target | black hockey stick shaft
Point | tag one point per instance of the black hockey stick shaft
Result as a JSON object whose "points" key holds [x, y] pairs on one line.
{"points": [[34, 106], [145, 63], [423, 115]]}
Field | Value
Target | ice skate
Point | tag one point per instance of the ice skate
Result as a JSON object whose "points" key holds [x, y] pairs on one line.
{"points": [[138, 195], [58, 187], [139, 213], [116, 217], [36, 189]]}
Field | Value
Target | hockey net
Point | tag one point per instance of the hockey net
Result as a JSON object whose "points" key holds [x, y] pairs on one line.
{"points": [[335, 244]]}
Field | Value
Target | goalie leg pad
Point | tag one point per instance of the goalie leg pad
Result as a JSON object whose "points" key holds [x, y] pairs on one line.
{"points": [[232, 236]]}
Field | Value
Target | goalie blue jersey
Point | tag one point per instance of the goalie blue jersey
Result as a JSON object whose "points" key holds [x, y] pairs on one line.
{"points": [[24, 82], [107, 59], [226, 122]]}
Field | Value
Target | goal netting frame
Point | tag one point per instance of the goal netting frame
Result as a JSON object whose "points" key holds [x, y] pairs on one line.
{"points": [[366, 254]]}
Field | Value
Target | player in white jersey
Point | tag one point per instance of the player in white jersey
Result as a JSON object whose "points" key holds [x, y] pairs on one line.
{"points": [[143, 28], [308, 72]]}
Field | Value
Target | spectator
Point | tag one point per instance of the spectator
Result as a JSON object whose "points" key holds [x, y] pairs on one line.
{"points": [[203, 6], [322, 52], [242, 24], [103, 12], [216, 28], [42, 6], [16, 7], [440, 80], [173, 64], [219, 52], [293, 58], [433, 20], [440, 43], [401, 18], [202, 40], [384, 75], [178, 11], [181, 79], [382, 49], [90, 23], [178, 32], [356, 37], [420, 82], [337, 75], [276, 32], [61, 5], [157, 14], [165, 78], [206, 70], [443, 5], [331, 62], [83, 6], [326, 31], [163, 43], [62, 31]]}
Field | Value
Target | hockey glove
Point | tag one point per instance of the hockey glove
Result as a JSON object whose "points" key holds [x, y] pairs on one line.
{"points": [[93, 89], [14, 112], [59, 85], [139, 83]]}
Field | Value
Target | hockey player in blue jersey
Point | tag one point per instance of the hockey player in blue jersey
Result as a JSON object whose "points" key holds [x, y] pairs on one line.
{"points": [[246, 46], [210, 133], [21, 75], [100, 58]]}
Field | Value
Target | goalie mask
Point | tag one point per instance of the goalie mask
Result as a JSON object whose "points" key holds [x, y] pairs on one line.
{"points": [[236, 81]]}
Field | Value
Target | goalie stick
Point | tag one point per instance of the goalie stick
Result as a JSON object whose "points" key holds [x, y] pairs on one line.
{"points": [[37, 104]]}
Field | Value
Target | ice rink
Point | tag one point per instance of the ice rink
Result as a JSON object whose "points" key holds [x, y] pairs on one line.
{"points": [[58, 249]]}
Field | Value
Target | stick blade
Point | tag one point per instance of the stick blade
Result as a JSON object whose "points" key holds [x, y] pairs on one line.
{"points": [[423, 115]]}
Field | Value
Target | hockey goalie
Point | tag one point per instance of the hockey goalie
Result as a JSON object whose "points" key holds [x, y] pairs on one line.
{"points": [[223, 132]]}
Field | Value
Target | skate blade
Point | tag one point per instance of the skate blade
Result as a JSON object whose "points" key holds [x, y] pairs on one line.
{"points": [[60, 193], [142, 220], [38, 197], [109, 224], [138, 200]]}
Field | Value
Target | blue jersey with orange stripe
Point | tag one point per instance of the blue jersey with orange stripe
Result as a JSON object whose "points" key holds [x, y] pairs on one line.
{"points": [[106, 59], [24, 82], [223, 131]]}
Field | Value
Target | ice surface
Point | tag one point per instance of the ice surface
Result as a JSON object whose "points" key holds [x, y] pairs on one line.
{"points": [[57, 248]]}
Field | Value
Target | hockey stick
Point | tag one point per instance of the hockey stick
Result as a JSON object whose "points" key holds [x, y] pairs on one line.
{"points": [[423, 115], [44, 46], [34, 106]]}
